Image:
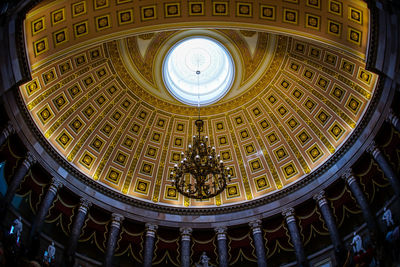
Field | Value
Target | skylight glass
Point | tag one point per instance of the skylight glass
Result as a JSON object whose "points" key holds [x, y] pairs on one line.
{"points": [[198, 70]]}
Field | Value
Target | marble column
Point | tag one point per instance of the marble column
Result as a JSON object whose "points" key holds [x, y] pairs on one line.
{"points": [[76, 229], [151, 230], [387, 169], [17, 178], [222, 246], [185, 246], [295, 236], [394, 120], [44, 207], [7, 131], [331, 225], [112, 238], [362, 201], [258, 243]]}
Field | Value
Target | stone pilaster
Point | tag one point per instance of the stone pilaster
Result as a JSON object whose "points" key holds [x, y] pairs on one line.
{"points": [[185, 246], [112, 238], [17, 178], [7, 131], [222, 246], [288, 214], [382, 161], [76, 230], [362, 201], [44, 207], [151, 230], [258, 243], [331, 225], [394, 120]]}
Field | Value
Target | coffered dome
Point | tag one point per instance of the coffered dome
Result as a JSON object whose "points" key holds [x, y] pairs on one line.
{"points": [[118, 103]]}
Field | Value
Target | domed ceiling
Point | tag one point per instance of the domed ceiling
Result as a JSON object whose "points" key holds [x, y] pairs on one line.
{"points": [[98, 97]]}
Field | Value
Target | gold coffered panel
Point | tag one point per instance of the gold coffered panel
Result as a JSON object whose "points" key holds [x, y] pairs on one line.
{"points": [[97, 94]]}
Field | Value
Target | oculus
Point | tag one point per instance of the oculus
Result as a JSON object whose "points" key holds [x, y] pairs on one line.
{"points": [[198, 71]]}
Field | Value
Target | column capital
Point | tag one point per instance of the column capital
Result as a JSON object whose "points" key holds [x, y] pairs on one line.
{"points": [[221, 232], [55, 185], [320, 198], [9, 129], [255, 226], [289, 215], [84, 205], [348, 176], [186, 232], [29, 160], [116, 220], [392, 118], [151, 229], [373, 149]]}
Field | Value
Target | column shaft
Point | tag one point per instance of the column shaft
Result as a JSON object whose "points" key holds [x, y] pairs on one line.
{"points": [[331, 225], [17, 179], [222, 247], [112, 239], [76, 229], [185, 246], [295, 236], [44, 207], [7, 131], [387, 169], [394, 120], [362, 202], [258, 243], [149, 244]]}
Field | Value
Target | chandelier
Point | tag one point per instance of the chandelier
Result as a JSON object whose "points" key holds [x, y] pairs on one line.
{"points": [[201, 173]]}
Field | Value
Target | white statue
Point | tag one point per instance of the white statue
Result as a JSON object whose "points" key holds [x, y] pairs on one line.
{"points": [[51, 249], [357, 244], [50, 253], [16, 227], [387, 217], [203, 261]]}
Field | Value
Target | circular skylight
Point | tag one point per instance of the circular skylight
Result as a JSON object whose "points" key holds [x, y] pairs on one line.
{"points": [[198, 70]]}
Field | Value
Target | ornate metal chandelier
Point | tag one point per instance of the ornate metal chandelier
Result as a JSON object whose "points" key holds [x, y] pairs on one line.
{"points": [[201, 173]]}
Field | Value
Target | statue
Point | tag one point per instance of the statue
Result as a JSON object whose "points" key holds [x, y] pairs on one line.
{"points": [[387, 217], [203, 262], [50, 253], [357, 244], [16, 228]]}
